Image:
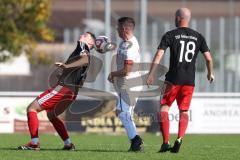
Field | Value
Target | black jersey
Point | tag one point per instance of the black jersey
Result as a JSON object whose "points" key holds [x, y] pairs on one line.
{"points": [[73, 78], [184, 44]]}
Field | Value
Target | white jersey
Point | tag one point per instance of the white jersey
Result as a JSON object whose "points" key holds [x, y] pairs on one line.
{"points": [[128, 52]]}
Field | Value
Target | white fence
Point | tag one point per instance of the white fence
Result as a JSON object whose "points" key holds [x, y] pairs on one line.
{"points": [[210, 113]]}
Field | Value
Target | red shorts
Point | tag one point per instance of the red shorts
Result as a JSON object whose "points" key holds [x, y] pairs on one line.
{"points": [[59, 96], [182, 94]]}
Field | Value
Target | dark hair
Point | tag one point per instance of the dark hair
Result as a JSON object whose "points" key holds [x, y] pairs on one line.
{"points": [[126, 21], [92, 35]]}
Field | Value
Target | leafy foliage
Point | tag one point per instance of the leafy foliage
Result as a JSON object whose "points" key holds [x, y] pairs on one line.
{"points": [[22, 24]]}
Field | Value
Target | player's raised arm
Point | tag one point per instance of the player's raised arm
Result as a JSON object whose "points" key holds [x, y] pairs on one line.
{"points": [[209, 63], [80, 54], [155, 63], [78, 63]]}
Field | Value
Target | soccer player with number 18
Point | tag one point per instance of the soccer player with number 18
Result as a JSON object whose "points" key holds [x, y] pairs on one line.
{"points": [[184, 44]]}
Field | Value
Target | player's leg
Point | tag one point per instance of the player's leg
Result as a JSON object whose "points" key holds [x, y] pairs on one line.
{"points": [[182, 126], [125, 113], [183, 123], [59, 125], [33, 125], [164, 124], [183, 101], [47, 101], [39, 104]]}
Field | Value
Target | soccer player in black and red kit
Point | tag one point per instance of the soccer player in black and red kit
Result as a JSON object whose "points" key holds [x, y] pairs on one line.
{"points": [[56, 99], [184, 44]]}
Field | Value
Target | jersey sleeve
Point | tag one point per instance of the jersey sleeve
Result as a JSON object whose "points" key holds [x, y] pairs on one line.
{"points": [[165, 42], [203, 45]]}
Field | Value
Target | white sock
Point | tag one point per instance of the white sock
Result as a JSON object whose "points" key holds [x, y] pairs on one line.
{"points": [[35, 140], [67, 141], [128, 124], [179, 139]]}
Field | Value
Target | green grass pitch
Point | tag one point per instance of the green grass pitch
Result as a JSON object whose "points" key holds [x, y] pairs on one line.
{"points": [[110, 147]]}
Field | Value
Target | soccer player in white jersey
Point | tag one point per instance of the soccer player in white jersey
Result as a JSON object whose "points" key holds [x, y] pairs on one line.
{"points": [[127, 56]]}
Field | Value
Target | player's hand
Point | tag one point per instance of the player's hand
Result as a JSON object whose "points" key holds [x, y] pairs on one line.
{"points": [[150, 80], [210, 78], [61, 65], [110, 78]]}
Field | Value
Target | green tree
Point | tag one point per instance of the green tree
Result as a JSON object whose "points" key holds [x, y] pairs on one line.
{"points": [[22, 24]]}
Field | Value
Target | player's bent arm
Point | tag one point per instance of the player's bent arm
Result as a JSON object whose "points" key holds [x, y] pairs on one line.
{"points": [[124, 71], [156, 60], [79, 63], [209, 64]]}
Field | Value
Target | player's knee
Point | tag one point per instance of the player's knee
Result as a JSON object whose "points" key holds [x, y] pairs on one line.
{"points": [[164, 108], [33, 107], [51, 116], [125, 116], [183, 111]]}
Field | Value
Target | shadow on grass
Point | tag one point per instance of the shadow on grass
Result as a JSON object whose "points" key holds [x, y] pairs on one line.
{"points": [[100, 150], [60, 150]]}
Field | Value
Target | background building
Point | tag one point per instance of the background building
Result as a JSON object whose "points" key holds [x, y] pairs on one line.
{"points": [[217, 20]]}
